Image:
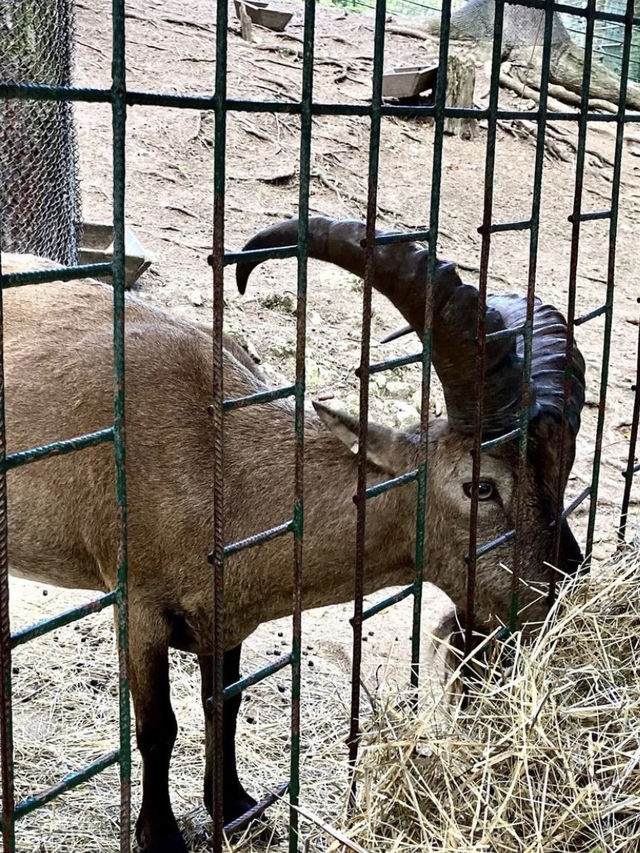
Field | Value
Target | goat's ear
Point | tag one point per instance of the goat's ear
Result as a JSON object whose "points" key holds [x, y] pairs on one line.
{"points": [[383, 443]]}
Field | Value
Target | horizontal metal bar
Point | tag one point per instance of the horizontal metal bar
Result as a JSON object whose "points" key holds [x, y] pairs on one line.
{"points": [[390, 363], [256, 255], [497, 227], [587, 217], [387, 602], [399, 237], [255, 677], [374, 491], [505, 333], [591, 315], [500, 540], [257, 539], [67, 783], [41, 92], [257, 810], [57, 448], [566, 9], [575, 503], [29, 91], [501, 439], [259, 397], [18, 279], [634, 470], [45, 626]]}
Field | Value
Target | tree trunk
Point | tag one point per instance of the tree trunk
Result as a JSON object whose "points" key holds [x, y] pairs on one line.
{"points": [[39, 202], [523, 34], [461, 80]]}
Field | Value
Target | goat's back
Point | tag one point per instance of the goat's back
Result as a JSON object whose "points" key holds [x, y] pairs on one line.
{"points": [[59, 384]]}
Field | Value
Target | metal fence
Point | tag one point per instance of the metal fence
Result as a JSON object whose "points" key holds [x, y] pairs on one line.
{"points": [[608, 36], [119, 97], [40, 203]]}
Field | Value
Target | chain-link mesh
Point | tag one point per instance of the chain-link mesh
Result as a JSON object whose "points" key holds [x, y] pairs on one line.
{"points": [[40, 201]]}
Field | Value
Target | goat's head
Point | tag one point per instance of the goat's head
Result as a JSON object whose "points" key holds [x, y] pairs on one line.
{"points": [[400, 273]]}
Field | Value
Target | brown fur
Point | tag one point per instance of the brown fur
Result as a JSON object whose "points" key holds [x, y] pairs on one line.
{"points": [[62, 517]]}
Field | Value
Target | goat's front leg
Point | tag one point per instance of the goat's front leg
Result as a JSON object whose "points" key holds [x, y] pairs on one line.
{"points": [[235, 800], [156, 729]]}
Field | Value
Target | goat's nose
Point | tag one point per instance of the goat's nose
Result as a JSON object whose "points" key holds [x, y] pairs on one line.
{"points": [[570, 554]]}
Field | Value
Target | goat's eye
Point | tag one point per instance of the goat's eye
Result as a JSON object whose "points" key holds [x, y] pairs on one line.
{"points": [[486, 490]]}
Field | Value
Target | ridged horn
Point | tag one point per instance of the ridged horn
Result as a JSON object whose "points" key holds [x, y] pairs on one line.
{"points": [[400, 274]]}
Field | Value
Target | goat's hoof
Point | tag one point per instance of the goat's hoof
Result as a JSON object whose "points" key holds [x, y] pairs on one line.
{"points": [[165, 842], [236, 806]]}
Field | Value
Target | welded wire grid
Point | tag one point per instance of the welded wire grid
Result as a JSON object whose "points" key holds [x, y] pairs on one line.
{"points": [[607, 36], [40, 201], [119, 97]]}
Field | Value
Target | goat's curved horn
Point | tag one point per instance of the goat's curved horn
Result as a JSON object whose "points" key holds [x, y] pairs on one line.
{"points": [[400, 274]]}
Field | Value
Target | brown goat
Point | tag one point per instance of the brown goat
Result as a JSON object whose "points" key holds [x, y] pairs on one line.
{"points": [[63, 526]]}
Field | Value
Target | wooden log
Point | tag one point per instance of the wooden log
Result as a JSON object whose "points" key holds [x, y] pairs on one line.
{"points": [[461, 81]]}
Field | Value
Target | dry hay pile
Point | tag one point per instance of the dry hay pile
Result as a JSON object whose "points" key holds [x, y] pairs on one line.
{"points": [[544, 758]]}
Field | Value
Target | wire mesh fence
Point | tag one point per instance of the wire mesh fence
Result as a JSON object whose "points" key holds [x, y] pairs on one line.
{"points": [[516, 337], [40, 206]]}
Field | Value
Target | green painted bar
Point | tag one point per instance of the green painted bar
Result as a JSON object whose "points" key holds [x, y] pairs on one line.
{"points": [[611, 272], [500, 540], [41, 92], [306, 105], [422, 474], [57, 448], [67, 783], [260, 254], [258, 809], [27, 91], [402, 237], [505, 333], [257, 676], [388, 602], [485, 251], [577, 196], [591, 315], [353, 738], [588, 217], [7, 768], [258, 538], [18, 279], [39, 629], [391, 363], [534, 225], [498, 227], [260, 397], [380, 488], [501, 439]]}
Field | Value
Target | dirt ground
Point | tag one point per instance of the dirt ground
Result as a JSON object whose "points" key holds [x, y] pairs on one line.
{"points": [[66, 684]]}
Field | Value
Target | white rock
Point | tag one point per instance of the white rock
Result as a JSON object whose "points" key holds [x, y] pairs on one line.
{"points": [[406, 414]]}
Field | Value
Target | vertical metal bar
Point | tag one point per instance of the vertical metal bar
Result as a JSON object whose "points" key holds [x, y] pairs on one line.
{"points": [[485, 231], [611, 270], [119, 112], [217, 263], [425, 391], [523, 426], [633, 440], [301, 330], [6, 717], [575, 219], [360, 497]]}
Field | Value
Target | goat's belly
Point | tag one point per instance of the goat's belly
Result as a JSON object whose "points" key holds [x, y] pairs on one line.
{"points": [[68, 576]]}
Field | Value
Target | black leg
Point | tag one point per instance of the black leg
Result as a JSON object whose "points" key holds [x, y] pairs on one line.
{"points": [[156, 729], [236, 801]]}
